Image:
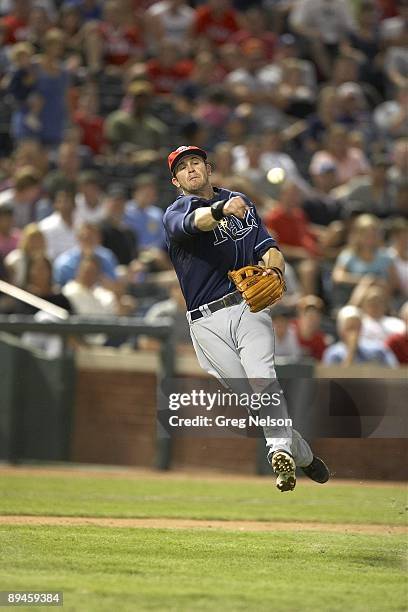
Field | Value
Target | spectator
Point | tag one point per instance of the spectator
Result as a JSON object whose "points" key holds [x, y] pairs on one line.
{"points": [[171, 20], [143, 215], [88, 297], [215, 22], [351, 349], [16, 21], [70, 22], [31, 243], [21, 83], [223, 161], [39, 23], [396, 64], [137, 127], [364, 256], [274, 156], [286, 342], [58, 228], [287, 49], [256, 23], [307, 327], [322, 206], [214, 110], [68, 167], [393, 28], [299, 242], [398, 250], [168, 69], [84, 292], [398, 343], [349, 161], [371, 193], [9, 235], [325, 25], [52, 82], [294, 96], [376, 325], [248, 162], [248, 74], [23, 196], [115, 40], [318, 124], [89, 201], [116, 235], [346, 68], [88, 119], [39, 282], [366, 37], [353, 108], [289, 223], [89, 243]]}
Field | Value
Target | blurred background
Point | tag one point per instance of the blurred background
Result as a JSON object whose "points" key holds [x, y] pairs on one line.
{"points": [[302, 105]]}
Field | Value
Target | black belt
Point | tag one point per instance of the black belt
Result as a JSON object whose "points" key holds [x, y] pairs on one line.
{"points": [[228, 300]]}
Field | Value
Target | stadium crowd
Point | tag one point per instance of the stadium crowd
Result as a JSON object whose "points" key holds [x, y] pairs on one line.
{"points": [[301, 104]]}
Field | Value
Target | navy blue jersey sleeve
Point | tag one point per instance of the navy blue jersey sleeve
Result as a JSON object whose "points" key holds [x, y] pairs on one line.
{"points": [[178, 220]]}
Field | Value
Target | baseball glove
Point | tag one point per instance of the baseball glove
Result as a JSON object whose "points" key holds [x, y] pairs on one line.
{"points": [[258, 290]]}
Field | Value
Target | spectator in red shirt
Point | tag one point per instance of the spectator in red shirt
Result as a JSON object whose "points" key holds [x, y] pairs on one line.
{"points": [[113, 41], [296, 236], [290, 226], [307, 326], [256, 25], [166, 71], [215, 21], [17, 22], [398, 343], [90, 123]]}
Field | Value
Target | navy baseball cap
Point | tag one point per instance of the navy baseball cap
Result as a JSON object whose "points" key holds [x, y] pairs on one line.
{"points": [[180, 152]]}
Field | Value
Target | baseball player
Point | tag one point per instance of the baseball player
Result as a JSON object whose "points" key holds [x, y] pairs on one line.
{"points": [[210, 232]]}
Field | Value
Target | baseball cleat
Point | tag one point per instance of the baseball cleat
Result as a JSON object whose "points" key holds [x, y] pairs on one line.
{"points": [[284, 467], [317, 470]]}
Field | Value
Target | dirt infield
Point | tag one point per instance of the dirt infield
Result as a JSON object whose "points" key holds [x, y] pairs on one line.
{"points": [[167, 523], [120, 472]]}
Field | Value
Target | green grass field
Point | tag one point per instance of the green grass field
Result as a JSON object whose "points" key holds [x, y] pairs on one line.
{"points": [[186, 570]]}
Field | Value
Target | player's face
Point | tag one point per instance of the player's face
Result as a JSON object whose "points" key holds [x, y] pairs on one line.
{"points": [[192, 174]]}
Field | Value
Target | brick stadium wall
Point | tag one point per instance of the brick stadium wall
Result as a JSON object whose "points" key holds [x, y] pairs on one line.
{"points": [[115, 424], [115, 418]]}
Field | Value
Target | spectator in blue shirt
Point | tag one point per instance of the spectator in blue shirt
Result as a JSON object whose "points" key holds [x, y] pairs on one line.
{"points": [[351, 349], [143, 216], [89, 243]]}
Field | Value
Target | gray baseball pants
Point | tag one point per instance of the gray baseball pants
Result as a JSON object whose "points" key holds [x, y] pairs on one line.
{"points": [[237, 347]]}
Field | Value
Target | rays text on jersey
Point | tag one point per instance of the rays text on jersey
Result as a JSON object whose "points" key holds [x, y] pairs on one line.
{"points": [[234, 228]]}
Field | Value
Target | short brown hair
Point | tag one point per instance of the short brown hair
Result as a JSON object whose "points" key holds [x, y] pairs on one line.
{"points": [[26, 177]]}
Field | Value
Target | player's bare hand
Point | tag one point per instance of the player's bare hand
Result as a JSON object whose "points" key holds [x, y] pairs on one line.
{"points": [[236, 206]]}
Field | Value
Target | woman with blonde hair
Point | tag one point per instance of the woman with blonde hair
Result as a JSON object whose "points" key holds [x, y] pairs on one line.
{"points": [[31, 242], [365, 259]]}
